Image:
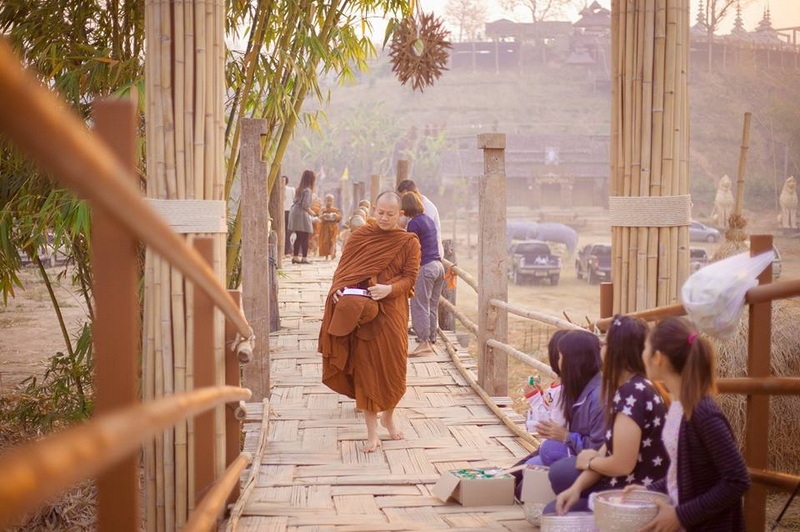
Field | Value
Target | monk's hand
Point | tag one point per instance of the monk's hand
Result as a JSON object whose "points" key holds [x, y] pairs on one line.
{"points": [[336, 295], [379, 291]]}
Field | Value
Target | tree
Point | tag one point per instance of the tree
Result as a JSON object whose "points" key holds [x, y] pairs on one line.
{"points": [[468, 15], [540, 10]]}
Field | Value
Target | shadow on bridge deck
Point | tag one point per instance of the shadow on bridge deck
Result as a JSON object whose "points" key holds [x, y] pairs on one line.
{"points": [[309, 475]]}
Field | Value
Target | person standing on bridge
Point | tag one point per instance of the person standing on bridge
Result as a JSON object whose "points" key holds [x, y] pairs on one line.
{"points": [[408, 185], [425, 303], [363, 337], [300, 217]]}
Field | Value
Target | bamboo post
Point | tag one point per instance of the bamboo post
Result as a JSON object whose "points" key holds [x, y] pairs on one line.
{"points": [[403, 171], [233, 427], [116, 328], [492, 279], [447, 321], [204, 376], [759, 345], [255, 253], [374, 188], [742, 168], [606, 300]]}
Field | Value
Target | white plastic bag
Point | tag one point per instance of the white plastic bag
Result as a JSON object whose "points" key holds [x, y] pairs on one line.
{"points": [[714, 296]]}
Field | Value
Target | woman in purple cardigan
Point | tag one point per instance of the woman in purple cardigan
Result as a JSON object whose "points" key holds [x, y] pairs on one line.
{"points": [[707, 476]]}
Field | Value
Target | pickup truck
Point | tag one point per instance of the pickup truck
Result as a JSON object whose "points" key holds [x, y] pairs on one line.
{"points": [[533, 259], [594, 262]]}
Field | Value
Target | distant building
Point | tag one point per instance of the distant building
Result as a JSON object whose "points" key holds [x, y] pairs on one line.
{"points": [[542, 170]]}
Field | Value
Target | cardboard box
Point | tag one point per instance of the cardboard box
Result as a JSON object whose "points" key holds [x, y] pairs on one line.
{"points": [[495, 491], [536, 485]]}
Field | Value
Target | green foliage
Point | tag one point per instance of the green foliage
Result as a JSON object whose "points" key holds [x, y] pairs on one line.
{"points": [[60, 397]]}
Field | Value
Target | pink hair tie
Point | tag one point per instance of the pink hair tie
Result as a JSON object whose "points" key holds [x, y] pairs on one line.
{"points": [[691, 338]]}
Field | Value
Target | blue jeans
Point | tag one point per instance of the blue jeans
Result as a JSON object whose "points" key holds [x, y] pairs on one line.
{"points": [[562, 475], [550, 452]]}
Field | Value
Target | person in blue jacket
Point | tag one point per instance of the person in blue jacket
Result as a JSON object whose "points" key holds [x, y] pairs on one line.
{"points": [[579, 368]]}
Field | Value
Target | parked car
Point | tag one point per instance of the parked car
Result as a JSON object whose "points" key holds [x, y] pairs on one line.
{"points": [[777, 265], [702, 233], [533, 259], [594, 263], [698, 257]]}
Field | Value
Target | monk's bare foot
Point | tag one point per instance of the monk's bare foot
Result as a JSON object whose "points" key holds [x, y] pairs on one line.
{"points": [[387, 420], [371, 446]]}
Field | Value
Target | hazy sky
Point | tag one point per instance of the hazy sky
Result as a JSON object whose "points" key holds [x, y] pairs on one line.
{"points": [[785, 13]]}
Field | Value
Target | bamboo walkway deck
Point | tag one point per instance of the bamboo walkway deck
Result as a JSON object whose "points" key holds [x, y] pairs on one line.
{"points": [[310, 476]]}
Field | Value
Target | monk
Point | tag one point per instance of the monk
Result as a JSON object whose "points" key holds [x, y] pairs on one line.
{"points": [[330, 218], [367, 208], [316, 208], [368, 363]]}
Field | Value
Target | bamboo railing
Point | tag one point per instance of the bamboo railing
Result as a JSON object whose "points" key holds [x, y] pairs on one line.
{"points": [[759, 386], [100, 167]]}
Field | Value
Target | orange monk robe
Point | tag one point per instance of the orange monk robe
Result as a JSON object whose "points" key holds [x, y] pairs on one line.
{"points": [[369, 364], [330, 218], [313, 241]]}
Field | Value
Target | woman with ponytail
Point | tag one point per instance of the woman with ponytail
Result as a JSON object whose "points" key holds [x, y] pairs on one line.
{"points": [[707, 476]]}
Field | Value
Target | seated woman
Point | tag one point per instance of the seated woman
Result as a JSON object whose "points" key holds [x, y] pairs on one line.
{"points": [[635, 413], [578, 364]]}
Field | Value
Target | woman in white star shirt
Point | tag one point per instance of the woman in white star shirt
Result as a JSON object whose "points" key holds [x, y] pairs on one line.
{"points": [[635, 412]]}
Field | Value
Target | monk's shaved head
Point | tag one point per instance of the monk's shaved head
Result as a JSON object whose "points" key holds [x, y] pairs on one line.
{"points": [[388, 210], [389, 196]]}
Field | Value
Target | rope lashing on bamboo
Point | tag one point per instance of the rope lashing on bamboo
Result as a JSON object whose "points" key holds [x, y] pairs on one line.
{"points": [[650, 211], [243, 347], [192, 216]]}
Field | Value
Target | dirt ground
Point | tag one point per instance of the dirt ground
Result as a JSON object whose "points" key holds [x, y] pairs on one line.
{"points": [[29, 331], [575, 298]]}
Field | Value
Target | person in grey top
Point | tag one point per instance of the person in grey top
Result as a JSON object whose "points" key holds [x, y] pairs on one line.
{"points": [[300, 217]]}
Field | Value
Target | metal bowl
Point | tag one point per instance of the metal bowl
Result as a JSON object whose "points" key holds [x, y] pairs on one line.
{"points": [[615, 511], [572, 522]]}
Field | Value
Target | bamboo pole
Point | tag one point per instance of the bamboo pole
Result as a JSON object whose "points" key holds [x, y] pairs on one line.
{"points": [[188, 99], [167, 111], [199, 97], [616, 119], [168, 371], [683, 161], [656, 177], [648, 236], [179, 73], [41, 470], [742, 168], [206, 515], [159, 392]]}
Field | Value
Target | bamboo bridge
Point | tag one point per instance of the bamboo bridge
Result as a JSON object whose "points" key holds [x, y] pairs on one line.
{"points": [[308, 473]]}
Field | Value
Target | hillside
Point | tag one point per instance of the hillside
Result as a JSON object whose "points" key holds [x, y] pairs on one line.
{"points": [[562, 99]]}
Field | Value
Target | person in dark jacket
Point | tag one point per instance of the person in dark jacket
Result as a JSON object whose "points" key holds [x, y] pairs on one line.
{"points": [[579, 367], [707, 475]]}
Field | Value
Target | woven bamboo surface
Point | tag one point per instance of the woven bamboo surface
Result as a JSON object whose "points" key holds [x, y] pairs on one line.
{"points": [[310, 475]]}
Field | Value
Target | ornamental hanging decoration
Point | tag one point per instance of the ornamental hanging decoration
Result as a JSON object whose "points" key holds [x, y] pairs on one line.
{"points": [[419, 50]]}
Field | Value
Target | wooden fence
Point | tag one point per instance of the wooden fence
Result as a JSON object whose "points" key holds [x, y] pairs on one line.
{"points": [[101, 168], [493, 347]]}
